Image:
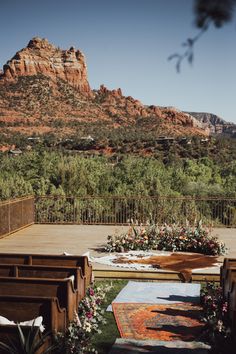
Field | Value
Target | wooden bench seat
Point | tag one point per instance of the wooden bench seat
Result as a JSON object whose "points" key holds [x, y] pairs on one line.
{"points": [[63, 289], [24, 308], [28, 271], [50, 260]]}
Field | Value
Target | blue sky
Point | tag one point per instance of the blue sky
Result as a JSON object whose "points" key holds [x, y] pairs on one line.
{"points": [[127, 43]]}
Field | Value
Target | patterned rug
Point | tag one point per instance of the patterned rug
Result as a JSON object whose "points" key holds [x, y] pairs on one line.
{"points": [[158, 322]]}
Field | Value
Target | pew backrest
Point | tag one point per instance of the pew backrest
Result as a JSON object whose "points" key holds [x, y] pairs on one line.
{"points": [[227, 280], [228, 263], [63, 289], [232, 308], [50, 260], [50, 272], [24, 308]]}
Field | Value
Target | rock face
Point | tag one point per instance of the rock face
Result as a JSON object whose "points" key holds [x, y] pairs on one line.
{"points": [[207, 118], [214, 123], [43, 87], [41, 57]]}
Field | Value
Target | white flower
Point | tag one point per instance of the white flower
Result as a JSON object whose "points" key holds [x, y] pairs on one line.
{"points": [[87, 327]]}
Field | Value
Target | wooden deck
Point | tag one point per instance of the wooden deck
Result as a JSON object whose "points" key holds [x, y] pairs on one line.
{"points": [[78, 239], [56, 239]]}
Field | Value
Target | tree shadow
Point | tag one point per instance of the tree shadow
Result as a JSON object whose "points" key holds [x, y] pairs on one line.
{"points": [[193, 314], [183, 333], [100, 249], [181, 298]]}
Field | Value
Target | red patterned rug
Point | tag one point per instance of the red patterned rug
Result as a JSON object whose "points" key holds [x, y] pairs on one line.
{"points": [[159, 322]]}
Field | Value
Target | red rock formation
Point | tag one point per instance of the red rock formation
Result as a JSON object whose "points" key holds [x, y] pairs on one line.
{"points": [[43, 83], [41, 57]]}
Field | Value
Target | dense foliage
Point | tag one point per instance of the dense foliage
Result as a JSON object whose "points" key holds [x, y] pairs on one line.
{"points": [[141, 139], [59, 173], [167, 238]]}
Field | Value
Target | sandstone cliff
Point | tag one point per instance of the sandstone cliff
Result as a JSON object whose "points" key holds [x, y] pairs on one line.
{"points": [[43, 87], [41, 57]]}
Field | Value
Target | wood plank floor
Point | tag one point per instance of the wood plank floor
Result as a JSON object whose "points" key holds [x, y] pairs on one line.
{"points": [[78, 239], [56, 239]]}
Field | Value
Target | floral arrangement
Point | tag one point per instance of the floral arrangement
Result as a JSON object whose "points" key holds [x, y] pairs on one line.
{"points": [[215, 315], [168, 238], [77, 340]]}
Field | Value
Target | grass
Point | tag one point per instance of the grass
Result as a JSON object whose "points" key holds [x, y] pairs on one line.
{"points": [[103, 342]]}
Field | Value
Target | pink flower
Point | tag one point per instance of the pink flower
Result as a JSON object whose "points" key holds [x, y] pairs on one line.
{"points": [[89, 315], [91, 292], [225, 307]]}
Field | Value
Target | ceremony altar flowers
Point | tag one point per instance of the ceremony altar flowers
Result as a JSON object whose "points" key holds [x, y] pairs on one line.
{"points": [[215, 316], [171, 237]]}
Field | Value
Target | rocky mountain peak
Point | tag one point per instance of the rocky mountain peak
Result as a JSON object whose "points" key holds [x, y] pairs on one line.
{"points": [[41, 57], [39, 43]]}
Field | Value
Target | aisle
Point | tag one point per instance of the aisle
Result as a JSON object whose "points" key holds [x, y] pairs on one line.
{"points": [[158, 318]]}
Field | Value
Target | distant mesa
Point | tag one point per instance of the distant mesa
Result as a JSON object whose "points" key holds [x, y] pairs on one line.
{"points": [[45, 89]]}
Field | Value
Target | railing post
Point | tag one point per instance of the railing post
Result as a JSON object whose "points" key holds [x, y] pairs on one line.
{"points": [[74, 207], [9, 218]]}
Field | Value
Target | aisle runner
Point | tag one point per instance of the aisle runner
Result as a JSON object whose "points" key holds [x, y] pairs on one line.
{"points": [[158, 322], [158, 293]]}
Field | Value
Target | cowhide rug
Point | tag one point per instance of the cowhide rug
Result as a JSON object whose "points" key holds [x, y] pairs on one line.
{"points": [[183, 263]]}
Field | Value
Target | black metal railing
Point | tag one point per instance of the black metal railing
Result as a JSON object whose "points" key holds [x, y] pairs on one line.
{"points": [[217, 212]]}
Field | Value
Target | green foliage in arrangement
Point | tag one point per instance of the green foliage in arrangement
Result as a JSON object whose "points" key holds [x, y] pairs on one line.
{"points": [[59, 173], [30, 342], [167, 238]]}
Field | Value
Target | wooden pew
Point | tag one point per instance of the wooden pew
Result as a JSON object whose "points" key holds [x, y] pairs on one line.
{"points": [[50, 260], [67, 261], [28, 271], [230, 276], [232, 307], [63, 289], [24, 308], [228, 262]]}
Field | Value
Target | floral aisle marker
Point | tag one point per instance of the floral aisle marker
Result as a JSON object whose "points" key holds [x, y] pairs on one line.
{"points": [[215, 317], [87, 322]]}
